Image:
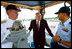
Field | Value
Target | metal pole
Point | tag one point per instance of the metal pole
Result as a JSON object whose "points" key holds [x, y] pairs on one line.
{"points": [[42, 8]]}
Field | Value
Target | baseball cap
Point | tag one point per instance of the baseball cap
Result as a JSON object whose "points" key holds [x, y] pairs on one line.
{"points": [[63, 10]]}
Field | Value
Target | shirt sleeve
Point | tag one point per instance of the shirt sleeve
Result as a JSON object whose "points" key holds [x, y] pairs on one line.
{"points": [[4, 32], [48, 29], [31, 26]]}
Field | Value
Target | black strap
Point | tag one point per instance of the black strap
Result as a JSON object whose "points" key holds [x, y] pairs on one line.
{"points": [[69, 22]]}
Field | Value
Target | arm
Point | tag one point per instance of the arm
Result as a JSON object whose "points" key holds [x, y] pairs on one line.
{"points": [[5, 41], [57, 39], [66, 43], [48, 29], [30, 28]]}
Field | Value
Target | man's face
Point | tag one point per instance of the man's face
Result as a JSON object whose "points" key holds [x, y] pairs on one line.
{"points": [[38, 16], [12, 14], [60, 16]]}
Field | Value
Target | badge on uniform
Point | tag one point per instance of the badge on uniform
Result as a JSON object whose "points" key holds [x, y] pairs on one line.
{"points": [[65, 29]]}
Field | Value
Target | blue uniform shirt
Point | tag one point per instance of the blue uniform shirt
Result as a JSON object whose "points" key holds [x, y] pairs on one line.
{"points": [[64, 35]]}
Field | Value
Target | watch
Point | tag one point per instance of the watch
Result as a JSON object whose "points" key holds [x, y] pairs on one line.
{"points": [[60, 40]]}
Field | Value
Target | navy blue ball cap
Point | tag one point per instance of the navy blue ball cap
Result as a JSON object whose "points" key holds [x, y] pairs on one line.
{"points": [[13, 7], [63, 10]]}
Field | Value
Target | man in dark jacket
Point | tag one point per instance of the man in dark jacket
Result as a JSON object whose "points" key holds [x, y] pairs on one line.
{"points": [[38, 25]]}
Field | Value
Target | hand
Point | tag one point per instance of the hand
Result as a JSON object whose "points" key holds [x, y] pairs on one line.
{"points": [[28, 31], [56, 38]]}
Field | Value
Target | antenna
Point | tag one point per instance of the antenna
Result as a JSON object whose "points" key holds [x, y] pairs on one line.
{"points": [[65, 4]]}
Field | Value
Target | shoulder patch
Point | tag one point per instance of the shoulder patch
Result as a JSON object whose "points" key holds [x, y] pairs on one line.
{"points": [[3, 21]]}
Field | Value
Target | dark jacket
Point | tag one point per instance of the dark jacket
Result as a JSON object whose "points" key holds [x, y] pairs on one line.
{"points": [[39, 35]]}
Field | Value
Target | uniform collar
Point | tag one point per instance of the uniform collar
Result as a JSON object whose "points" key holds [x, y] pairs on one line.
{"points": [[10, 20], [67, 22]]}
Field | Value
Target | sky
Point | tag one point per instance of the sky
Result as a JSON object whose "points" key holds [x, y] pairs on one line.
{"points": [[28, 14]]}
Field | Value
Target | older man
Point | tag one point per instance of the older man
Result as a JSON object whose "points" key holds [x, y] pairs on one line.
{"points": [[38, 25]]}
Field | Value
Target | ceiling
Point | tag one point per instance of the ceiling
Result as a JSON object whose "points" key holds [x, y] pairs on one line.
{"points": [[32, 4]]}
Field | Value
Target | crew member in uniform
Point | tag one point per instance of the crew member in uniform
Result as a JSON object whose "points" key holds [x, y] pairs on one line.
{"points": [[18, 34], [62, 39], [12, 13]]}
